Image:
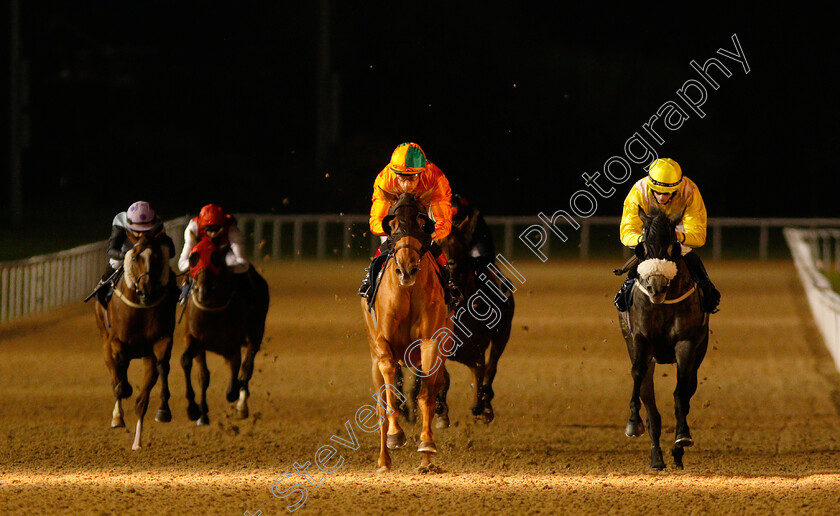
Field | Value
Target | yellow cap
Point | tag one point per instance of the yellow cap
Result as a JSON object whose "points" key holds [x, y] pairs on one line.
{"points": [[665, 175]]}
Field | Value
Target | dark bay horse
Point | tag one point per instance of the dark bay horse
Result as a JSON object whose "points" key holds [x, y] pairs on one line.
{"points": [[665, 324], [410, 315], [220, 319], [139, 323], [476, 336]]}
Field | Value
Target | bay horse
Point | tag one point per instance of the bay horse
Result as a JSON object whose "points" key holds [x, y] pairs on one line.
{"points": [[139, 323], [222, 320], [409, 316], [665, 324], [475, 335]]}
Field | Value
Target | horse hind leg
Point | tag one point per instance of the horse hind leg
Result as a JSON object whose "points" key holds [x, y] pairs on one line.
{"points": [[442, 408], [141, 404]]}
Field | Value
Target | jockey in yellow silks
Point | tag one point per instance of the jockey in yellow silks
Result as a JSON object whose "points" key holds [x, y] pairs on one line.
{"points": [[666, 189], [410, 172]]}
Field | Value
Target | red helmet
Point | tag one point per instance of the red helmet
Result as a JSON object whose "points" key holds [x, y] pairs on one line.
{"points": [[211, 215]]}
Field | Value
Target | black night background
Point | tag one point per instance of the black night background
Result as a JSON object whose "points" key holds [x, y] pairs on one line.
{"points": [[294, 107]]}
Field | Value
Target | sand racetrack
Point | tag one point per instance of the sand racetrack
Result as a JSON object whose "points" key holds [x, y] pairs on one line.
{"points": [[765, 419]]}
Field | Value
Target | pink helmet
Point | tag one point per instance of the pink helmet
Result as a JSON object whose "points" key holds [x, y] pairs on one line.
{"points": [[140, 217]]}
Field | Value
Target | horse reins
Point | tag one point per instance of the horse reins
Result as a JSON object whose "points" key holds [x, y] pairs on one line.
{"points": [[205, 308], [132, 304]]}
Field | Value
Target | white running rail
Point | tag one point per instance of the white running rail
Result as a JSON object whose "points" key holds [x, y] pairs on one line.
{"points": [[816, 250], [41, 283]]}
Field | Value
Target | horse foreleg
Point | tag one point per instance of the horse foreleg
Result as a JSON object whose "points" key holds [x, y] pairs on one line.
{"points": [[498, 342], [117, 420], [396, 436], [234, 360], [378, 382], [203, 383], [638, 371], [442, 408], [141, 404], [687, 366], [163, 352], [429, 388], [244, 378], [654, 420], [478, 370], [193, 412]]}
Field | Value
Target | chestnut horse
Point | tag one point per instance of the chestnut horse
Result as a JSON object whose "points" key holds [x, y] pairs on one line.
{"points": [[139, 323], [665, 324], [409, 315], [221, 319]]}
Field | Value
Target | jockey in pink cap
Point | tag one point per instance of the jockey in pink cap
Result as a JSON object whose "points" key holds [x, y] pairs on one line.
{"points": [[126, 229]]}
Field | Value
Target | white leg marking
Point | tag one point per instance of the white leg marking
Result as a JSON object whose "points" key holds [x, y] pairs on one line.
{"points": [[136, 445]]}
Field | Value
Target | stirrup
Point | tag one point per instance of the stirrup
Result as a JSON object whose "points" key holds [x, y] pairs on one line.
{"points": [[364, 288]]}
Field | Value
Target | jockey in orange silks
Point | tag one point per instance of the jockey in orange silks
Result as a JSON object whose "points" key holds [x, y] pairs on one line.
{"points": [[410, 172], [666, 189]]}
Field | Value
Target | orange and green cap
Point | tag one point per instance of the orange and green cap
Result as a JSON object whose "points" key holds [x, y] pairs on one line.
{"points": [[664, 175], [408, 159]]}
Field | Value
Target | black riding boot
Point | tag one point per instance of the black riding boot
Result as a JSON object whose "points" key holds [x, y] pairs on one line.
{"points": [[452, 294], [371, 272], [711, 296], [103, 294], [623, 298]]}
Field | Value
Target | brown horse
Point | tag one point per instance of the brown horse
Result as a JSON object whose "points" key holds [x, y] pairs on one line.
{"points": [[406, 328], [665, 324], [221, 319], [477, 336], [139, 323]]}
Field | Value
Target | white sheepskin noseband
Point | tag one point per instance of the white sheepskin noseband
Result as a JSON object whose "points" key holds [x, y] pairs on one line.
{"points": [[655, 266]]}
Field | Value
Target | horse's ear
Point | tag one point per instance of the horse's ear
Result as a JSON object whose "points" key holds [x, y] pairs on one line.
{"points": [[389, 197], [425, 198], [464, 225], [194, 257], [676, 250], [640, 251], [387, 226], [644, 216]]}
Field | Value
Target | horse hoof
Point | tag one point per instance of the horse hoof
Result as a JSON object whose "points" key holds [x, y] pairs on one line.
{"points": [[163, 416], [684, 440], [427, 447], [117, 423], [656, 461], [242, 413], [634, 429], [395, 441], [202, 421], [486, 418], [383, 470], [441, 422], [193, 412], [232, 396]]}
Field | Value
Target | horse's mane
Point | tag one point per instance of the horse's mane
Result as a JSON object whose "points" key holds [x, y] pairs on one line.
{"points": [[659, 230]]}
